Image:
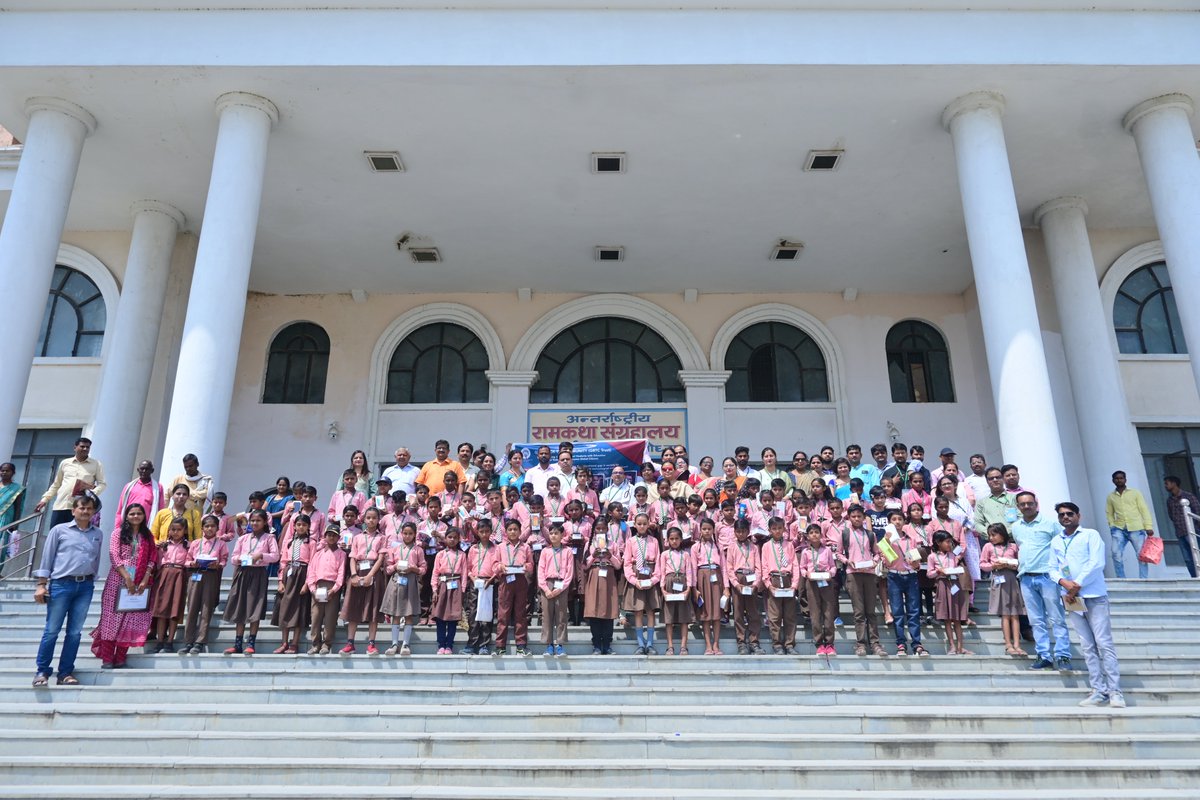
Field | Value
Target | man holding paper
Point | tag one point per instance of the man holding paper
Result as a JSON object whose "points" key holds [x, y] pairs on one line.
{"points": [[1077, 565]]}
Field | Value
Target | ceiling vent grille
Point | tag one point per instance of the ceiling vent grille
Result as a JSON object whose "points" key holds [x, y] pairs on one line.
{"points": [[787, 251], [823, 160], [608, 163], [610, 253], [384, 161], [425, 255]]}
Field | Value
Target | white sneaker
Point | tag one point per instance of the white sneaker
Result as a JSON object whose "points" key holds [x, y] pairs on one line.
{"points": [[391, 651], [1116, 701], [1092, 700]]}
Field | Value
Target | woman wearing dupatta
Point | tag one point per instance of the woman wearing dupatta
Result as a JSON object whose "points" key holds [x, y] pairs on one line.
{"points": [[134, 555], [12, 498]]}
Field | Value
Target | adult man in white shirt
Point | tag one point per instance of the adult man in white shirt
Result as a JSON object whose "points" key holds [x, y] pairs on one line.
{"points": [[977, 480], [403, 474], [540, 472], [73, 477], [619, 490]]}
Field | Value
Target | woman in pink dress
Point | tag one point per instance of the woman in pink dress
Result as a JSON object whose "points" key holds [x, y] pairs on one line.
{"points": [[134, 555]]}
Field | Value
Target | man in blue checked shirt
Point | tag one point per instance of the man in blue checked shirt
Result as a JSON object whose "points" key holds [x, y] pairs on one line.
{"points": [[1077, 565], [1034, 534]]}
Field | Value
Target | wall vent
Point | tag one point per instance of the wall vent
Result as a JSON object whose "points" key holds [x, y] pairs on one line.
{"points": [[823, 160], [384, 161], [608, 163]]}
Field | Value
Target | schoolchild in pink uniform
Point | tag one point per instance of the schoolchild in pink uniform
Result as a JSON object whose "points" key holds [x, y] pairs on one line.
{"points": [[247, 601], [602, 567], [860, 556], [818, 566], [307, 507], [901, 552], [513, 570], [742, 574], [577, 530], [711, 588], [292, 604], [481, 586], [170, 585], [449, 583], [402, 598], [951, 603], [326, 574], [346, 496], [724, 525], [919, 530], [556, 572], [781, 578], [432, 535], [642, 583], [677, 576], [584, 493], [227, 526], [207, 557], [1005, 600], [365, 588]]}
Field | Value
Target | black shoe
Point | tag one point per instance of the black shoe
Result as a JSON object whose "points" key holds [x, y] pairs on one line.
{"points": [[1042, 663], [170, 647], [1062, 664], [758, 651], [743, 650]]}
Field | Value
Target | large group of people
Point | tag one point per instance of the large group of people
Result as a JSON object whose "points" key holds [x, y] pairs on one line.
{"points": [[485, 545]]}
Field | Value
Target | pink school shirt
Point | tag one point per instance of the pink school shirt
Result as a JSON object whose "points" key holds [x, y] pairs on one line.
{"points": [[227, 529], [175, 554], [555, 565], [707, 553], [939, 561], [365, 547], [726, 538], [862, 548], [923, 499], [743, 556], [586, 496], [452, 564], [831, 533], [516, 555], [591, 556], [640, 552], [302, 556], [248, 545], [822, 559], [342, 498], [326, 564], [906, 539], [209, 547], [987, 559], [316, 523], [400, 557], [481, 562], [673, 561], [779, 559], [950, 526]]}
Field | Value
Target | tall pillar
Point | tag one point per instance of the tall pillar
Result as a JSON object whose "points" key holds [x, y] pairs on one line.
{"points": [[125, 381], [705, 414], [1167, 149], [212, 330], [1012, 336], [1109, 439], [510, 405], [33, 227]]}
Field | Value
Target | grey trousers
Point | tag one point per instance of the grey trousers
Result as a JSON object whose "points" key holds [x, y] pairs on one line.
{"points": [[1095, 636]]}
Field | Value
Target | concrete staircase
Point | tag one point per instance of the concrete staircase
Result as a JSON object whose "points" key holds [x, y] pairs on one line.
{"points": [[588, 727]]}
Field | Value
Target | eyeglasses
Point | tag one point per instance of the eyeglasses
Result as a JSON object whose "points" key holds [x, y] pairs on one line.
{"points": [[1067, 514]]}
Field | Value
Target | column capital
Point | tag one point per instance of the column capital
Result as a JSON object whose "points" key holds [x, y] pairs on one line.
{"points": [[1058, 204], [154, 206], [247, 100], [66, 107], [1160, 103], [694, 378], [975, 101], [502, 377]]}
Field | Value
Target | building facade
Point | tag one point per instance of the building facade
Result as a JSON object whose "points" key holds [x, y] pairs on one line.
{"points": [[270, 237]]}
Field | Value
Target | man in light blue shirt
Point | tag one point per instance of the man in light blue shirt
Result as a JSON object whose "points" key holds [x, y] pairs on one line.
{"points": [[869, 474], [1033, 534], [1077, 565]]}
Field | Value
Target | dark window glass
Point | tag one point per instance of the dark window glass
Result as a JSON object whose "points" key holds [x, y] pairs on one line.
{"points": [[773, 362], [36, 454], [73, 325], [607, 360], [1144, 313], [297, 365], [918, 364], [438, 363]]}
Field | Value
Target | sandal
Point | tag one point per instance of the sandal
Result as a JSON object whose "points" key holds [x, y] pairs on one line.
{"points": [[41, 680], [1010, 651], [1019, 652], [278, 651], [683, 651], [963, 652], [68, 680]]}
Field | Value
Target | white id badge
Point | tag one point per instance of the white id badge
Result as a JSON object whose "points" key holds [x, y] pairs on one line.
{"points": [[574, 551], [246, 561], [998, 579], [712, 578], [510, 578], [365, 564], [537, 546], [822, 584], [751, 577], [452, 584], [677, 587], [747, 590], [577, 536], [557, 520], [196, 577], [645, 583], [644, 571], [954, 589], [322, 594], [864, 564], [958, 550], [602, 572], [403, 580], [556, 584], [479, 584], [464, 546]]}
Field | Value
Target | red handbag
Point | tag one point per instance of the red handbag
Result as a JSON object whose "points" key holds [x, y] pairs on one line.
{"points": [[1152, 550]]}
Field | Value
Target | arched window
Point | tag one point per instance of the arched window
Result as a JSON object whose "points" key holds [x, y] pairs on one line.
{"points": [[438, 363], [918, 364], [607, 360], [73, 325], [1144, 314], [773, 362], [297, 365]]}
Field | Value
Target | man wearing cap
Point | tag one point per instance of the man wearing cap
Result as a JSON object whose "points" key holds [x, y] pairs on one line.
{"points": [[947, 457]]}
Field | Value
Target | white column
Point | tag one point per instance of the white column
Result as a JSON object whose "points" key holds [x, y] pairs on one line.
{"points": [[510, 405], [125, 381], [1109, 439], [33, 226], [212, 331], [1012, 336], [705, 413], [1167, 149]]}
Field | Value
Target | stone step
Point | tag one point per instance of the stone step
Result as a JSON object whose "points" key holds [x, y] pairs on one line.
{"points": [[810, 674], [709, 744], [1048, 775], [522, 792], [999, 719], [537, 693]]}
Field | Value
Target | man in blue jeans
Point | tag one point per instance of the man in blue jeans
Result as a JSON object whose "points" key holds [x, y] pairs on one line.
{"points": [[66, 578], [1129, 523], [1033, 534]]}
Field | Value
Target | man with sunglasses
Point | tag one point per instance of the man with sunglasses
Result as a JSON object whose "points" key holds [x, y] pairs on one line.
{"points": [[1034, 534], [1077, 566]]}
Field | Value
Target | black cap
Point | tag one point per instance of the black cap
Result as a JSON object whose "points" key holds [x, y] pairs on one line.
{"points": [[948, 451]]}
